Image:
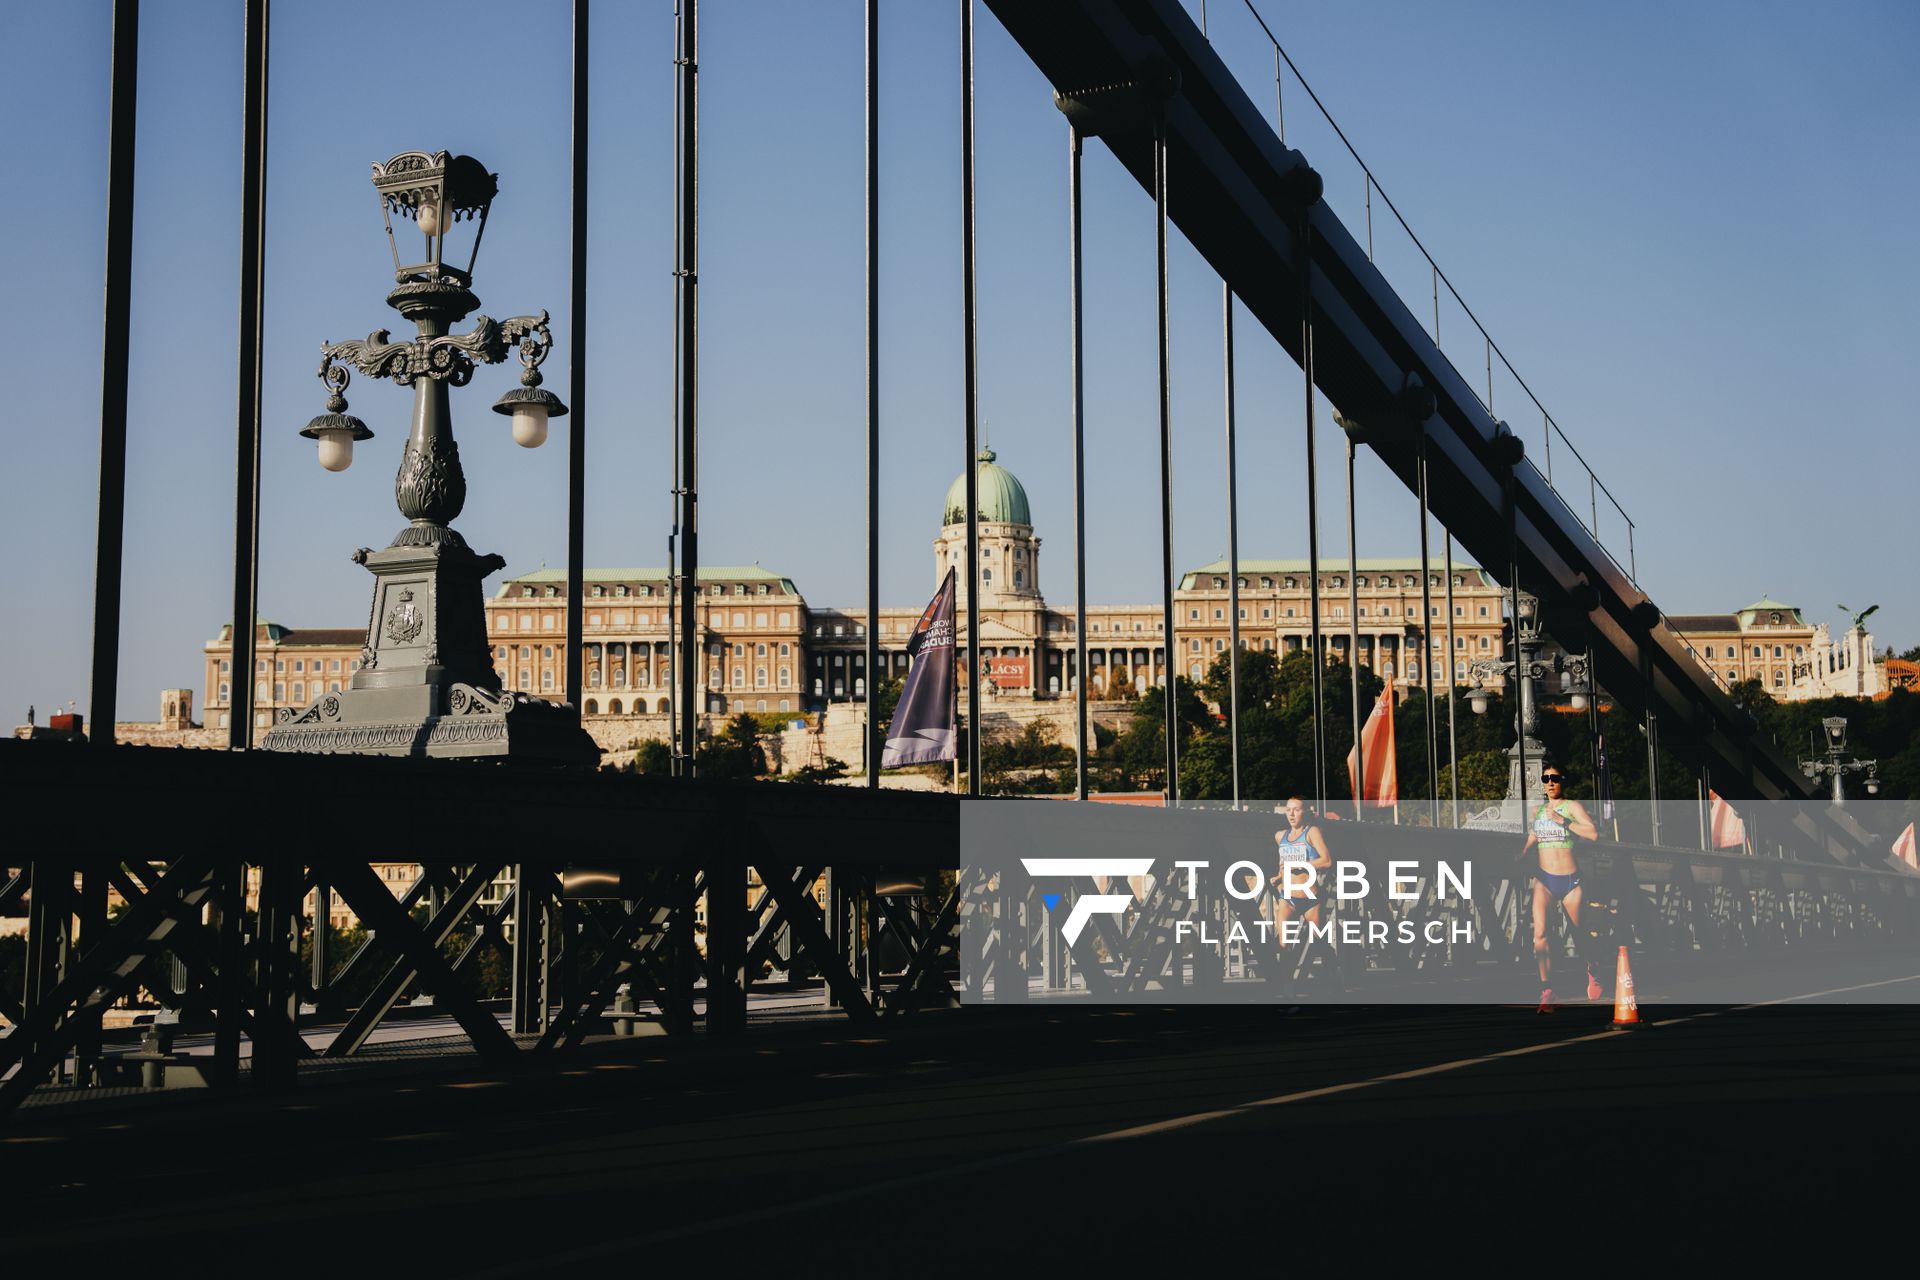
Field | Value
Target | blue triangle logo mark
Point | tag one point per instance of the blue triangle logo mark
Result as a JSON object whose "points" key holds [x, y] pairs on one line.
{"points": [[1051, 899]]}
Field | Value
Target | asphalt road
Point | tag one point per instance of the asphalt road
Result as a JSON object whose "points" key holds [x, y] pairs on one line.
{"points": [[981, 1140]]}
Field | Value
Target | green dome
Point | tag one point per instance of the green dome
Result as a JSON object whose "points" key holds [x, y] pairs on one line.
{"points": [[1002, 498]]}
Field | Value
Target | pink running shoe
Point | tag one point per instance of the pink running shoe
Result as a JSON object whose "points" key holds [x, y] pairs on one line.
{"points": [[1594, 989], [1546, 1001]]}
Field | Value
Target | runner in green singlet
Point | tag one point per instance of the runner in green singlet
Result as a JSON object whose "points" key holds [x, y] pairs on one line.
{"points": [[1555, 823]]}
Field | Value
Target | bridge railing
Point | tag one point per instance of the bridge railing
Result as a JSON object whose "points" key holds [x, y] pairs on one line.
{"points": [[1588, 513]]}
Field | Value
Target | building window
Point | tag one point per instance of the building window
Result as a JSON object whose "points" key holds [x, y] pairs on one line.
{"points": [[986, 575], [224, 695], [614, 708], [1778, 651], [1483, 611], [593, 707], [760, 679], [786, 678], [279, 693], [1219, 646], [1292, 583]]}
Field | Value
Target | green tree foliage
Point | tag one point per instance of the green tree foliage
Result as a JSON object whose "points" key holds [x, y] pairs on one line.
{"points": [[886, 696], [1027, 763], [817, 773], [653, 757], [735, 754]]}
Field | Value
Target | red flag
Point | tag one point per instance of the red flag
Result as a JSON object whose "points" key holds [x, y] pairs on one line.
{"points": [[1376, 741], [1903, 848], [1726, 828]]}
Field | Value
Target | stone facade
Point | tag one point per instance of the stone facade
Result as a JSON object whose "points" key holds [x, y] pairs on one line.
{"points": [[763, 648], [1793, 659]]}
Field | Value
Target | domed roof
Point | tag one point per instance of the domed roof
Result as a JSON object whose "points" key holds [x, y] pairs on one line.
{"points": [[1002, 497]]}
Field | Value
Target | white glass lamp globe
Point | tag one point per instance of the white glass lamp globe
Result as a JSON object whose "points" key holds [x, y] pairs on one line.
{"points": [[336, 449], [529, 424]]}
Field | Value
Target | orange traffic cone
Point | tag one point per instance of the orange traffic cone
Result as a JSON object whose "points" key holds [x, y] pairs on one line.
{"points": [[1626, 1010]]}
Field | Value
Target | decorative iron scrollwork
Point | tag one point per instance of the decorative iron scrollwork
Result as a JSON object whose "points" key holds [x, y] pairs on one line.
{"points": [[448, 358]]}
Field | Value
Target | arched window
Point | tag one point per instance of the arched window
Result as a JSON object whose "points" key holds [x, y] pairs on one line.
{"points": [[639, 706], [613, 708], [593, 707]]}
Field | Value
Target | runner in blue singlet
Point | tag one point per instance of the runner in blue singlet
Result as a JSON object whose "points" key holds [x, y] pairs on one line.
{"points": [[1299, 842]]}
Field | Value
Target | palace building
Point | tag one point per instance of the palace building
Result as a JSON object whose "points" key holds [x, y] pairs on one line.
{"points": [[1793, 659], [763, 648]]}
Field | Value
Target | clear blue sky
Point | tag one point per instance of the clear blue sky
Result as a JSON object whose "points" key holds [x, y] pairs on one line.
{"points": [[1689, 226]]}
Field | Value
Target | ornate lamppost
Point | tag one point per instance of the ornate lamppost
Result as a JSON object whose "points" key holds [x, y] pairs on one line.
{"points": [[1836, 766], [1569, 670], [426, 683]]}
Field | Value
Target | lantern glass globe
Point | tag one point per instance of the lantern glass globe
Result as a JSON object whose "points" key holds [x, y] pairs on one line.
{"points": [[529, 424], [336, 450]]}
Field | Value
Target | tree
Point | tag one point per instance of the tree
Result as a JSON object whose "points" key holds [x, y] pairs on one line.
{"points": [[1141, 750], [886, 696], [1752, 697], [1483, 776], [816, 773], [653, 757], [734, 755]]}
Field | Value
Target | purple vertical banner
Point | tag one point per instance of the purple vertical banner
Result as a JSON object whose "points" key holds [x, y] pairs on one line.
{"points": [[923, 731]]}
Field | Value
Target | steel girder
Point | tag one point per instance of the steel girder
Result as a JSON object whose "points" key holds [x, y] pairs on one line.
{"points": [[1233, 193]]}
